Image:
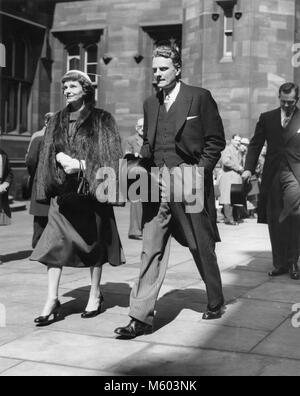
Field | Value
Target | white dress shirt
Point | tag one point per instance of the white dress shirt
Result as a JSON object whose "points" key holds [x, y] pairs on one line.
{"points": [[284, 119], [172, 96]]}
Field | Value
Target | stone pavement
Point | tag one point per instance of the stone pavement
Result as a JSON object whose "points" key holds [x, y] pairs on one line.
{"points": [[254, 337]]}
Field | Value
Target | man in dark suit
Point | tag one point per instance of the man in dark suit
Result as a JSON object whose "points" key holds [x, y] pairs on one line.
{"points": [[38, 210], [280, 189], [182, 127]]}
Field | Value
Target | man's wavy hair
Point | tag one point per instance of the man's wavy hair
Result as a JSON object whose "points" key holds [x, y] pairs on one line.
{"points": [[88, 88], [288, 87], [170, 51]]}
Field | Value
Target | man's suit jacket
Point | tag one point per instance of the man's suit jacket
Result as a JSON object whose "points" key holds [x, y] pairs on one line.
{"points": [[199, 134], [32, 160], [7, 176], [283, 144]]}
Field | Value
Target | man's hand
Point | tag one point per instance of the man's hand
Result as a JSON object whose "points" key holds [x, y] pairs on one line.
{"points": [[246, 176]]}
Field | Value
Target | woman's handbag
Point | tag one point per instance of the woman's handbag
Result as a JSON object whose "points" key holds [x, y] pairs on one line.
{"points": [[77, 193]]}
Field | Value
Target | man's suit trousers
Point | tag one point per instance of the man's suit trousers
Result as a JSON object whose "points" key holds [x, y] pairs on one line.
{"points": [[284, 225], [198, 233]]}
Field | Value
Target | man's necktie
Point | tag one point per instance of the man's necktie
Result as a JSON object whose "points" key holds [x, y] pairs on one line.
{"points": [[286, 122], [168, 103]]}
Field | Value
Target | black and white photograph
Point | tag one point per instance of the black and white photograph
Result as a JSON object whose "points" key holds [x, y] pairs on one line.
{"points": [[149, 191]]}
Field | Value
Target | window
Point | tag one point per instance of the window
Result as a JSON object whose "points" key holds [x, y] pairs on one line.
{"points": [[9, 69], [228, 36], [21, 60], [73, 58], [227, 42], [78, 56], [90, 62], [16, 87]]}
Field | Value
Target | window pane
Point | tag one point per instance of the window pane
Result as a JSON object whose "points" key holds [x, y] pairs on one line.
{"points": [[24, 108], [228, 23], [92, 54], [11, 106], [8, 70], [74, 51], [229, 44], [21, 56], [74, 63], [73, 58], [92, 71]]}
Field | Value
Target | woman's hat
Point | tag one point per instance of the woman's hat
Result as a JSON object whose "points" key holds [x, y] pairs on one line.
{"points": [[71, 73]]}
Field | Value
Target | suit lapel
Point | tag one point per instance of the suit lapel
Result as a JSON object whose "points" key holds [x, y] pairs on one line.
{"points": [[293, 126], [183, 105], [153, 111]]}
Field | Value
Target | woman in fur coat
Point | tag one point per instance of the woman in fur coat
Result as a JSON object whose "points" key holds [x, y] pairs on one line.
{"points": [[81, 231]]}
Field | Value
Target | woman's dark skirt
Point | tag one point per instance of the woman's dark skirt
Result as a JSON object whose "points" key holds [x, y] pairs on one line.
{"points": [[80, 239]]}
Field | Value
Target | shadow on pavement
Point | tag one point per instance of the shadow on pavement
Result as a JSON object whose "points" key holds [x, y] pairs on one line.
{"points": [[222, 347], [6, 258], [115, 294]]}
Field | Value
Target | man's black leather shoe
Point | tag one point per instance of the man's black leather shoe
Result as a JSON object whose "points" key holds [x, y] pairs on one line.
{"points": [[213, 314], [294, 272], [133, 330], [278, 272]]}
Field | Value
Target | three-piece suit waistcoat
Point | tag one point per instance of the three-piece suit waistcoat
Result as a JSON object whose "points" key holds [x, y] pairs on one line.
{"points": [[165, 148]]}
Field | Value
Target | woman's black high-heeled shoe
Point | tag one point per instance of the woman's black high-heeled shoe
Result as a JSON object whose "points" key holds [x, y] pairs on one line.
{"points": [[45, 320], [93, 314]]}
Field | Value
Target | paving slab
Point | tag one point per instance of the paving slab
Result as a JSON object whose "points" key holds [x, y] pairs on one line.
{"points": [[243, 278], [253, 314], [204, 335], [70, 349], [257, 264], [26, 369], [277, 291], [6, 364], [166, 360], [283, 342]]}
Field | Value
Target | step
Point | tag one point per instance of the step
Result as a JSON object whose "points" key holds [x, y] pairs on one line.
{"points": [[18, 206]]}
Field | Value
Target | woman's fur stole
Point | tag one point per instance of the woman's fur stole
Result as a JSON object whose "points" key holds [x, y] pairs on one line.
{"points": [[96, 140]]}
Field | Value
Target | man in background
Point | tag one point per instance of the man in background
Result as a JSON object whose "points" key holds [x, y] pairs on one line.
{"points": [[38, 210], [279, 199], [133, 146]]}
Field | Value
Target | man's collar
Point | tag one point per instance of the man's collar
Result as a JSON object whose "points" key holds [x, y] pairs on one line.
{"points": [[283, 113], [171, 96]]}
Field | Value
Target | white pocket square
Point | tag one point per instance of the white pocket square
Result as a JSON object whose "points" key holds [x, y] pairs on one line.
{"points": [[298, 131], [192, 118]]}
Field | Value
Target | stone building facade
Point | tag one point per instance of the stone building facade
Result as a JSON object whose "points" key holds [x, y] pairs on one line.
{"points": [[241, 50]]}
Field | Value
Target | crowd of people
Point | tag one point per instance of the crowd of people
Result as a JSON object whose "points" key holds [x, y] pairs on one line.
{"points": [[228, 179], [182, 128]]}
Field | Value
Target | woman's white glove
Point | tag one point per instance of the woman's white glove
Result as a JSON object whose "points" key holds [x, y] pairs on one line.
{"points": [[70, 165], [4, 187]]}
